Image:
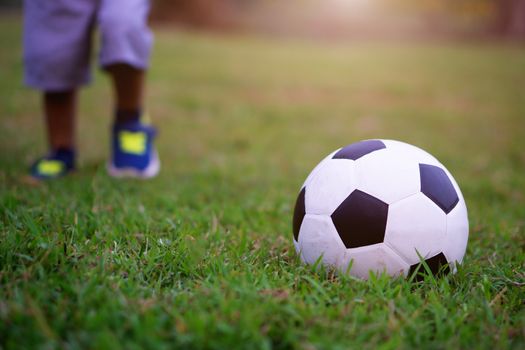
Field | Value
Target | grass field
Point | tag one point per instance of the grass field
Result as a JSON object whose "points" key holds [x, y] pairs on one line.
{"points": [[202, 256]]}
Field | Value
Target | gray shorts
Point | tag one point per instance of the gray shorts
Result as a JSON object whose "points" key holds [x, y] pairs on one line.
{"points": [[58, 39]]}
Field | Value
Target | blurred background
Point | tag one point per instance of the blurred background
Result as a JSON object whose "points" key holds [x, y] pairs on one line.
{"points": [[351, 18], [345, 18]]}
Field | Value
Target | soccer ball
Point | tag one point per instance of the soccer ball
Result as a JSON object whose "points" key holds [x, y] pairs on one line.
{"points": [[381, 206]]}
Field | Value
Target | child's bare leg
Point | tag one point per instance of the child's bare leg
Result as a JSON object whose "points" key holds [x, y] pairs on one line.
{"points": [[60, 109], [133, 151], [128, 85]]}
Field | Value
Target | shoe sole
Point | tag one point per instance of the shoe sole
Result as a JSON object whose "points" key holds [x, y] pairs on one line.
{"points": [[151, 170]]}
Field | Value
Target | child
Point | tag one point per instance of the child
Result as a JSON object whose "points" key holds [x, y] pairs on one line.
{"points": [[57, 49]]}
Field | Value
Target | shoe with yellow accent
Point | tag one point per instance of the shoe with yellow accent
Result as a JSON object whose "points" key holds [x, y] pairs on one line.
{"points": [[133, 151], [56, 164]]}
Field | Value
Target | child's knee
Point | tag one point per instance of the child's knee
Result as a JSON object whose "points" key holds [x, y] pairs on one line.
{"points": [[125, 39]]}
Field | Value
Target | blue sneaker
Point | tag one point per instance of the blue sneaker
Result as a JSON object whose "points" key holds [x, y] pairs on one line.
{"points": [[56, 164], [133, 152]]}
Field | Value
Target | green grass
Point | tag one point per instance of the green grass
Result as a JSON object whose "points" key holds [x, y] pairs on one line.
{"points": [[202, 256]]}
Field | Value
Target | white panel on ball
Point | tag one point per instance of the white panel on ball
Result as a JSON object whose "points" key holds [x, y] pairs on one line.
{"points": [[328, 187], [377, 258], [412, 152], [318, 166], [416, 225], [317, 237], [388, 175], [457, 233]]}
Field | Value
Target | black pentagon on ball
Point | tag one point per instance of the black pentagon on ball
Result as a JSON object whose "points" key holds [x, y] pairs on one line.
{"points": [[298, 213], [360, 220], [437, 264], [359, 149], [436, 185]]}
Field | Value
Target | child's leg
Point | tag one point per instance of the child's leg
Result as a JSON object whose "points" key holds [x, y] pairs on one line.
{"points": [[133, 151], [126, 45], [60, 108], [128, 86], [57, 45]]}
